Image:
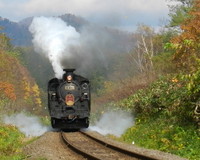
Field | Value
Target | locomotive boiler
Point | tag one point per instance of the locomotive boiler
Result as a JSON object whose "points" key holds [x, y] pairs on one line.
{"points": [[69, 101]]}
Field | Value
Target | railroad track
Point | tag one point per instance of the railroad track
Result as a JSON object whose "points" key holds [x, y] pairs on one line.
{"points": [[95, 149]]}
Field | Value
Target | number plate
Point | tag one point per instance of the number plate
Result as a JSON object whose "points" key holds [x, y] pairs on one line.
{"points": [[70, 87]]}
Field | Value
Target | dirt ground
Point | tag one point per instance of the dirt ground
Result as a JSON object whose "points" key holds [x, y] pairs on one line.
{"points": [[50, 147]]}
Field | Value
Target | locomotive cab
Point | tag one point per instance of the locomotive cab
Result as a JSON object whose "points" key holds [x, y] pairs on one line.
{"points": [[69, 101]]}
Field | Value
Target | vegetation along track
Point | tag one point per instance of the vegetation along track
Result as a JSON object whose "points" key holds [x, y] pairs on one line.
{"points": [[93, 148]]}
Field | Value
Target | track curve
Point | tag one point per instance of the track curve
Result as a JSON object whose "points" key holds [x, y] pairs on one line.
{"points": [[92, 148]]}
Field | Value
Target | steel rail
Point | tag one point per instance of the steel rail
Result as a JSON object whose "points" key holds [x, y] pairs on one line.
{"points": [[91, 156], [78, 150], [121, 150]]}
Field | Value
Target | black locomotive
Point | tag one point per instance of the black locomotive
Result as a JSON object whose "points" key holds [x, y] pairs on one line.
{"points": [[69, 101]]}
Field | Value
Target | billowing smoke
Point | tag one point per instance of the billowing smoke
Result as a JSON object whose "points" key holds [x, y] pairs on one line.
{"points": [[29, 125], [53, 37], [89, 49], [113, 122]]}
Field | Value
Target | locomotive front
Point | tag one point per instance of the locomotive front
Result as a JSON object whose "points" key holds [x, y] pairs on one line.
{"points": [[69, 101]]}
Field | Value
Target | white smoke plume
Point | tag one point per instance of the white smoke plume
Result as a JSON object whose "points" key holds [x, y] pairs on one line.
{"points": [[29, 125], [53, 37], [113, 122]]}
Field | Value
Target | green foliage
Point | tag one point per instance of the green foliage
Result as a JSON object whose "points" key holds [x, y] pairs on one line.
{"points": [[193, 84], [179, 12], [165, 118], [163, 63], [166, 135], [179, 16], [5, 42], [10, 143], [175, 46], [17, 54], [96, 83], [166, 36], [165, 111], [6, 45], [45, 120], [168, 95]]}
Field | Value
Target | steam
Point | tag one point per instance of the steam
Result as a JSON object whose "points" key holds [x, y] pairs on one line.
{"points": [[90, 50], [53, 37], [113, 122], [29, 125]]}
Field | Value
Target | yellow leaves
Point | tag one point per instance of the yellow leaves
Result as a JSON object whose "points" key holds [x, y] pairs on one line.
{"points": [[38, 102], [153, 136], [27, 89], [36, 90], [176, 137], [36, 93], [174, 80], [32, 92], [180, 146], [165, 141]]}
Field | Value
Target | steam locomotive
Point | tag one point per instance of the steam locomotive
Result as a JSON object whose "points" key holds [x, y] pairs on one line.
{"points": [[69, 101]]}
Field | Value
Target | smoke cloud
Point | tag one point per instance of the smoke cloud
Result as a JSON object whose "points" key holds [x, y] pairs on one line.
{"points": [[29, 125], [89, 48], [113, 122], [53, 38]]}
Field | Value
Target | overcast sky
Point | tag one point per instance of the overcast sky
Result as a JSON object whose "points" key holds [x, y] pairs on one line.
{"points": [[124, 14]]}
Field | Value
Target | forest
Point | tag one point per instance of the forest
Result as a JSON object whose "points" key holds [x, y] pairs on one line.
{"points": [[154, 75]]}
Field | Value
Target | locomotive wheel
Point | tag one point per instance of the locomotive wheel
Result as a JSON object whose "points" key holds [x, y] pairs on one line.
{"points": [[53, 122]]}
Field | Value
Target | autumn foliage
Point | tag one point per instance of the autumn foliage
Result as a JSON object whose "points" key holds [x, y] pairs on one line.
{"points": [[8, 90], [18, 90], [187, 44]]}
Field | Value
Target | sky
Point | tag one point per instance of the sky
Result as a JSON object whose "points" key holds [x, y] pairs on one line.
{"points": [[125, 14]]}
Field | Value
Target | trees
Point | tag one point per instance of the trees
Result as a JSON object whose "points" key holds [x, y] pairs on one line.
{"points": [[179, 12], [187, 44], [8, 90], [13, 75], [4, 42], [144, 49], [148, 45]]}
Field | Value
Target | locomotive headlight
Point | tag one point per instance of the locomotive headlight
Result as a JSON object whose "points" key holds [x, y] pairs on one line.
{"points": [[84, 86], [69, 78]]}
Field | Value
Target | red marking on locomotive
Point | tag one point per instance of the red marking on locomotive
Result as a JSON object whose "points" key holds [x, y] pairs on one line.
{"points": [[69, 99]]}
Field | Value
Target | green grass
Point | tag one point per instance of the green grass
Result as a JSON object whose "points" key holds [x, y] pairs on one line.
{"points": [[165, 118], [11, 142], [165, 135], [45, 120]]}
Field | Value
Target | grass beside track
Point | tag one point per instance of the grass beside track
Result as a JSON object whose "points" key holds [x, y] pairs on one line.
{"points": [[161, 134], [11, 142]]}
